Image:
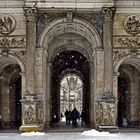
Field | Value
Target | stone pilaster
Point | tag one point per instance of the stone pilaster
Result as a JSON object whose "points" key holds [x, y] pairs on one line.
{"points": [[48, 105], [30, 100], [30, 14], [97, 83], [106, 104], [108, 51]]}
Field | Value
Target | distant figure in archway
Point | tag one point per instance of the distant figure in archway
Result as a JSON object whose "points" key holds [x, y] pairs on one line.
{"points": [[67, 116], [75, 116], [83, 118]]}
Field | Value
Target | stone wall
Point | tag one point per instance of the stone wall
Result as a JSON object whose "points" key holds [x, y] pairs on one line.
{"points": [[72, 17]]}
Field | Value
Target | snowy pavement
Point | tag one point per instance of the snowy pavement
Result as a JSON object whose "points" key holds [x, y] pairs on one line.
{"points": [[87, 135]]}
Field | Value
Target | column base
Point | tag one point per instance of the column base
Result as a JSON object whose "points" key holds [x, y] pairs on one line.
{"points": [[109, 128], [30, 128]]}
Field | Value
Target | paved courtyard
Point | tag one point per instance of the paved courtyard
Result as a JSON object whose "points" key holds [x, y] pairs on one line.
{"points": [[69, 136]]}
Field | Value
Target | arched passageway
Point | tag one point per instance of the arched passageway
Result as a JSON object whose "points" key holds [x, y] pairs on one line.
{"points": [[71, 93], [128, 96], [70, 63], [10, 95]]}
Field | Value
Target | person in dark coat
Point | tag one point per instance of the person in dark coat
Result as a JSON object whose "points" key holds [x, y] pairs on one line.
{"points": [[66, 115], [75, 116], [83, 118], [69, 117]]}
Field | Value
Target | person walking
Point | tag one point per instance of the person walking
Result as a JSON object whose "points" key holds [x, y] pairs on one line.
{"points": [[83, 118], [66, 115], [69, 117], [75, 116]]}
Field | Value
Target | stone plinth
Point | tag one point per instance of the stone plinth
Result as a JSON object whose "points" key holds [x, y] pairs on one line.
{"points": [[29, 109]]}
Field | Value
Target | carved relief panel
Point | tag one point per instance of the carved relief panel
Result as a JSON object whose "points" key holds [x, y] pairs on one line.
{"points": [[132, 25], [126, 42], [105, 113], [29, 114], [7, 24], [12, 42]]}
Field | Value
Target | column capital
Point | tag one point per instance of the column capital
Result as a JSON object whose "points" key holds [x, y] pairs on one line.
{"points": [[30, 13], [108, 13]]}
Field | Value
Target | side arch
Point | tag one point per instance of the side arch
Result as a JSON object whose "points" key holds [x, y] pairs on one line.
{"points": [[127, 65], [134, 61], [15, 59], [13, 85]]}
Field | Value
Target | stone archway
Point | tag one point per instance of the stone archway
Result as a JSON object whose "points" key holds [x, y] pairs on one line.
{"points": [[71, 92], [69, 62], [11, 92], [60, 36], [128, 92]]}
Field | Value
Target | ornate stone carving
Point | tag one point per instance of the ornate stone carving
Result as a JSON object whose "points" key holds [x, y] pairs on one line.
{"points": [[5, 52], [97, 21], [30, 13], [134, 53], [86, 16], [126, 42], [108, 96], [105, 113], [69, 16], [12, 42], [132, 25], [108, 13], [7, 24], [30, 115], [44, 19], [119, 54], [30, 103]]}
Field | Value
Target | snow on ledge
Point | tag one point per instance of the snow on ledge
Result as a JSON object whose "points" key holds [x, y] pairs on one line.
{"points": [[93, 132], [33, 134]]}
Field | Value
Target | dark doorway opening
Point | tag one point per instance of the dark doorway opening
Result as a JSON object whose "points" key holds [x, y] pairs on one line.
{"points": [[10, 96], [69, 62], [123, 98], [16, 97]]}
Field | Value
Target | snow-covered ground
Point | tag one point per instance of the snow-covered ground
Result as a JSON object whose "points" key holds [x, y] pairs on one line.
{"points": [[87, 135]]}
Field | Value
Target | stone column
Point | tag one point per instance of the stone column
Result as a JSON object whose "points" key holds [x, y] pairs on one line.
{"points": [[30, 100], [30, 14], [92, 96], [48, 105], [98, 83], [108, 51], [106, 105], [115, 94]]}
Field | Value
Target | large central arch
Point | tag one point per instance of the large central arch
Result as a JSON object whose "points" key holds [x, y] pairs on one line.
{"points": [[61, 35]]}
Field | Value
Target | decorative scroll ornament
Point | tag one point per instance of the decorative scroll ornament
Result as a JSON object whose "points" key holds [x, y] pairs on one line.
{"points": [[7, 24], [132, 25]]}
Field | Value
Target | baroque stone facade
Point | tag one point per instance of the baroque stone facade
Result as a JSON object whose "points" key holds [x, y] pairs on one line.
{"points": [[41, 42]]}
